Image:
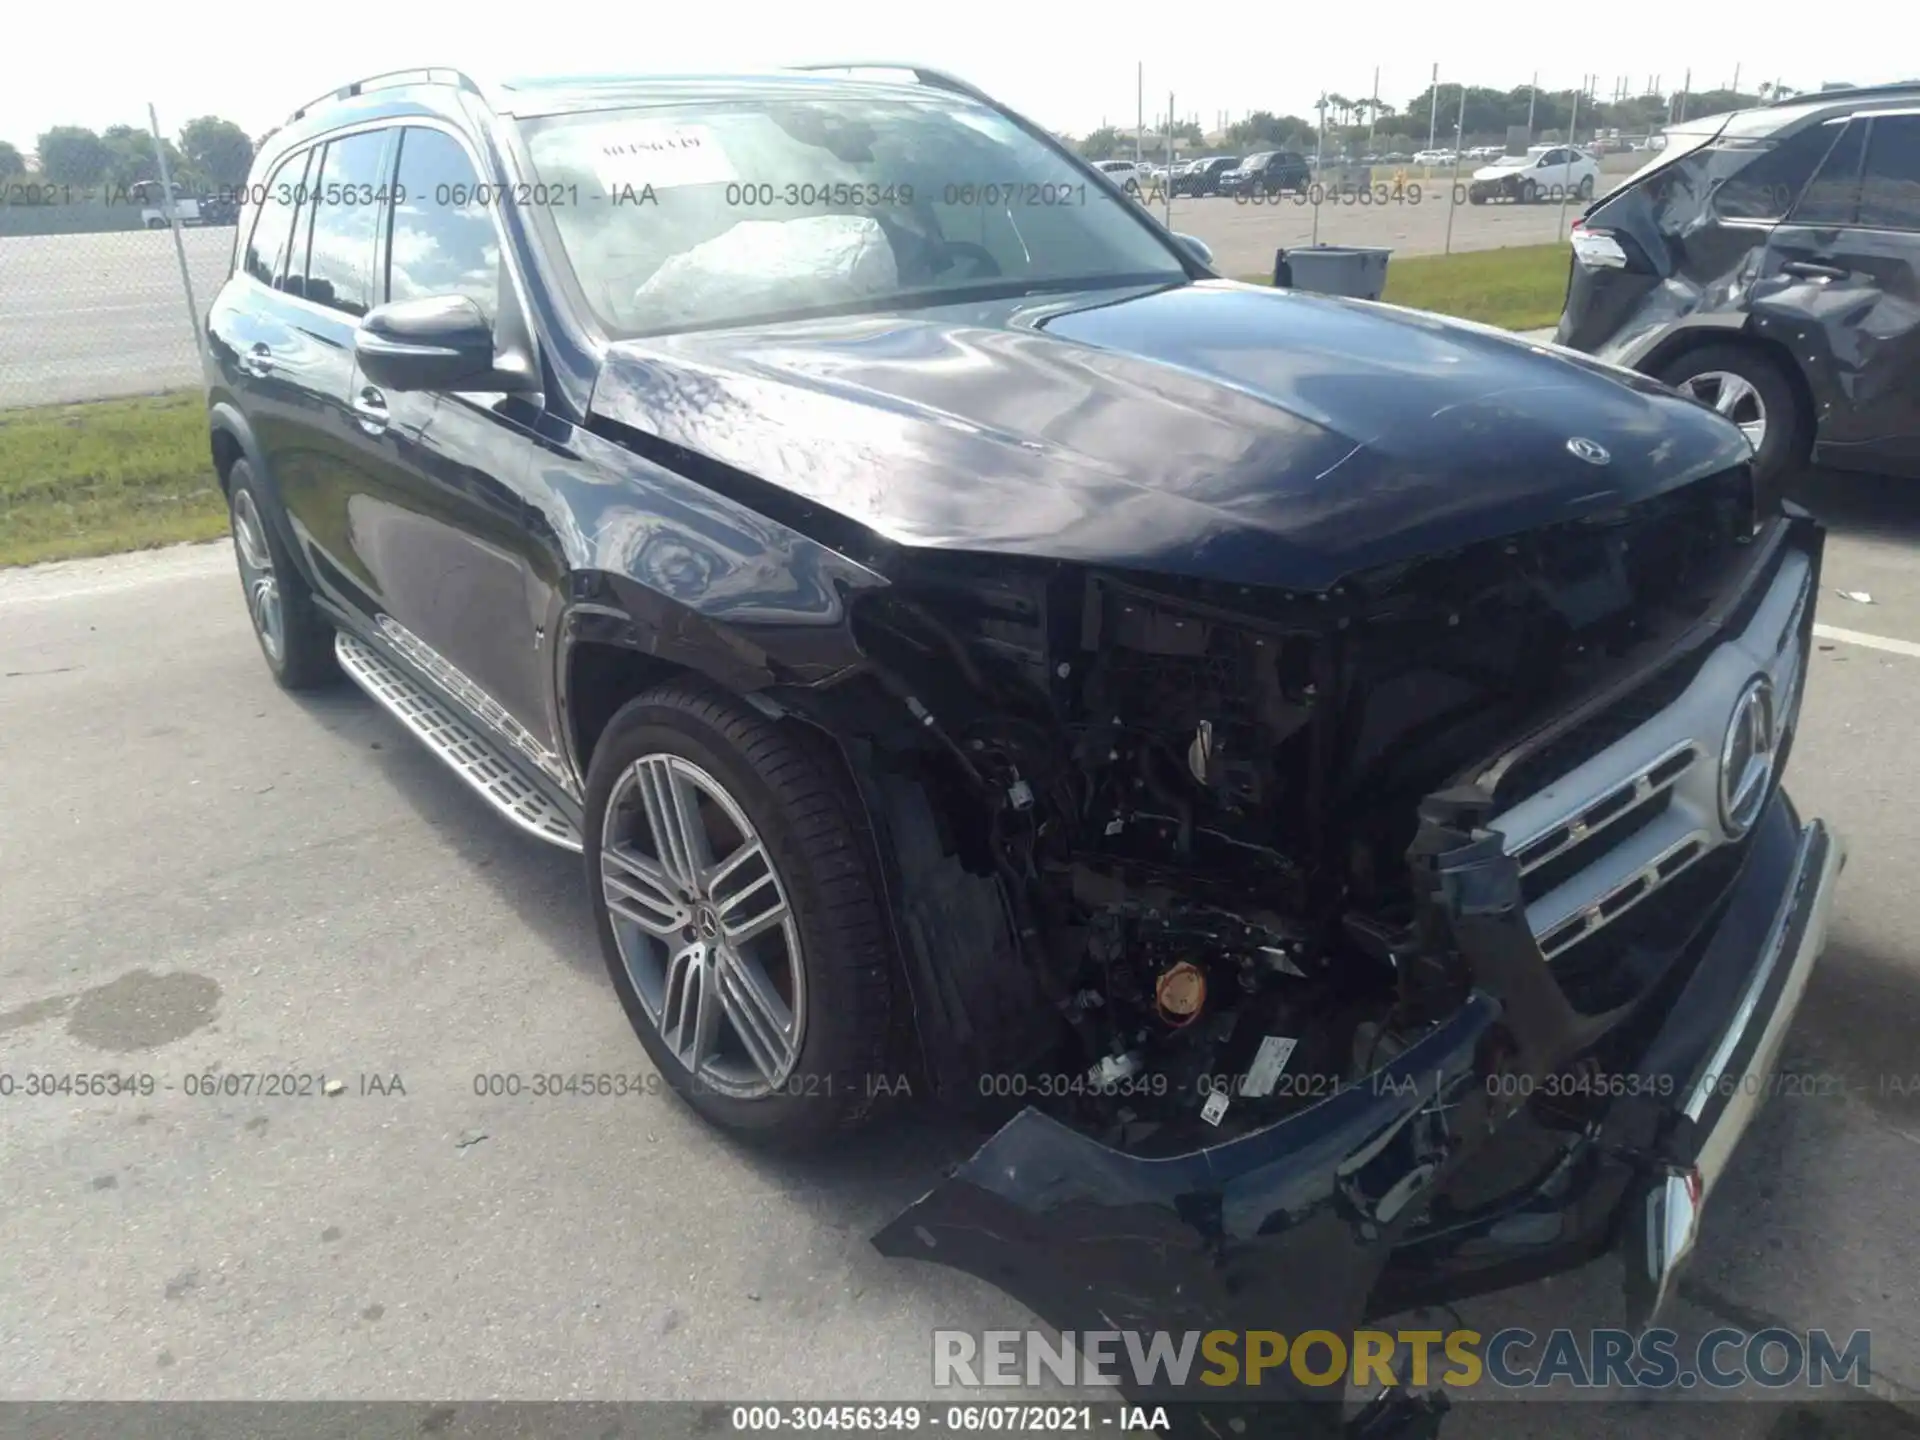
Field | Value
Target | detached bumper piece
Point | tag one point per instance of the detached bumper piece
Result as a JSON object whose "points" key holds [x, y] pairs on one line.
{"points": [[1727, 1092]]}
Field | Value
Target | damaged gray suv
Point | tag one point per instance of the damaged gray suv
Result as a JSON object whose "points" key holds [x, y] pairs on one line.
{"points": [[1768, 264]]}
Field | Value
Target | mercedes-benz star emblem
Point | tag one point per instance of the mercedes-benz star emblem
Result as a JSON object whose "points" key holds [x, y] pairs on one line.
{"points": [[1591, 451], [1747, 756]]}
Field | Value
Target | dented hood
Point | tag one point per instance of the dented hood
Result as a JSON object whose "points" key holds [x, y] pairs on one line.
{"points": [[1216, 430]]}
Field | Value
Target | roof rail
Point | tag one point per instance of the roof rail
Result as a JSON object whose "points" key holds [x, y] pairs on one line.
{"points": [[925, 74], [1850, 92], [415, 75]]}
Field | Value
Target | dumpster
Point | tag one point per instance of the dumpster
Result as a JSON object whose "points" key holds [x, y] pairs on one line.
{"points": [[1359, 271]]}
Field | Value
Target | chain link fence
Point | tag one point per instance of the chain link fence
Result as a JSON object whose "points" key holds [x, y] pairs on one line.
{"points": [[92, 303], [90, 315]]}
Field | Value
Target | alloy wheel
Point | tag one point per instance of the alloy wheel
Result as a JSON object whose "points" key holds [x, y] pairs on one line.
{"points": [[257, 574], [703, 926], [1735, 397]]}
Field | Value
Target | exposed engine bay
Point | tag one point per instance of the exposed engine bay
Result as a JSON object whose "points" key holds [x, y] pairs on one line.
{"points": [[1196, 801]]}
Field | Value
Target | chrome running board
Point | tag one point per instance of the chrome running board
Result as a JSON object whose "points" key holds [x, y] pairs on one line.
{"points": [[471, 755]]}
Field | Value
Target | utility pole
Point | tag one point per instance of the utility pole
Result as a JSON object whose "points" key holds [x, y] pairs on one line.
{"points": [[1433, 119], [1139, 106], [1373, 109], [1166, 180], [1533, 94], [1319, 161], [1560, 225], [1453, 190], [1736, 77]]}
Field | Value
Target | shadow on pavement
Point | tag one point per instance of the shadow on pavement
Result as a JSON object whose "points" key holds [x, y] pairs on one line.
{"points": [[1882, 506]]}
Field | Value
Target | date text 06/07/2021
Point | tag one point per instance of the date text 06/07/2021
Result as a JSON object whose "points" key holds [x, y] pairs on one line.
{"points": [[1002, 1419]]}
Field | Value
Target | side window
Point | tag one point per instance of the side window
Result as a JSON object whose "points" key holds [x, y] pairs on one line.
{"points": [[1834, 196], [443, 241], [1890, 188], [346, 214], [266, 252], [1767, 185]]}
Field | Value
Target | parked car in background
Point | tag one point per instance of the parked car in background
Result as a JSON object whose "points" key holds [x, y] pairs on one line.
{"points": [[1128, 175], [221, 208], [1434, 159], [150, 196], [1268, 173], [1545, 172], [1767, 262], [1203, 177]]}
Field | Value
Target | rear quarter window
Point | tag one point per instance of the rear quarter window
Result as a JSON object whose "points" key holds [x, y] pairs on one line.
{"points": [[1890, 186], [1761, 182]]}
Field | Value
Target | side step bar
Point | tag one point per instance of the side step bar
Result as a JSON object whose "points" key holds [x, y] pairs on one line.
{"points": [[473, 758]]}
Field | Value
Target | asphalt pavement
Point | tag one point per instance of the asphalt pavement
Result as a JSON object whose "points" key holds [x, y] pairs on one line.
{"points": [[198, 871]]}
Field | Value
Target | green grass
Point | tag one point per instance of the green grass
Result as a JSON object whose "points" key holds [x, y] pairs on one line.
{"points": [[1521, 288], [119, 475], [104, 477]]}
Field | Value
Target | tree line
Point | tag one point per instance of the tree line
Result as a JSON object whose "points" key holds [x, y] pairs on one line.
{"points": [[1488, 115], [215, 154], [211, 154]]}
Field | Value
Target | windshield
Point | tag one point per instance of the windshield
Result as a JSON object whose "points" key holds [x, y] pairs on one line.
{"points": [[758, 208]]}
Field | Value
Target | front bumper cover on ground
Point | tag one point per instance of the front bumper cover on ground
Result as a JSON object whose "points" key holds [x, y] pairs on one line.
{"points": [[1289, 1228]]}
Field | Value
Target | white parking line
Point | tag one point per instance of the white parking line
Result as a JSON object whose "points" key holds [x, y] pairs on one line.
{"points": [[1872, 642]]}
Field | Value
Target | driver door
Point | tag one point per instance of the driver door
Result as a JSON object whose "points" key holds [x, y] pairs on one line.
{"points": [[436, 509]]}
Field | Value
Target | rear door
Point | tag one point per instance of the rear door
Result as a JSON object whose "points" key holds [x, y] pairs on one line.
{"points": [[1841, 285], [1855, 248], [253, 328], [330, 276]]}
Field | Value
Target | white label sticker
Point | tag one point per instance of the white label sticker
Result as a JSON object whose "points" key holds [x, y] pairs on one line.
{"points": [[1215, 1107], [653, 152], [1268, 1063]]}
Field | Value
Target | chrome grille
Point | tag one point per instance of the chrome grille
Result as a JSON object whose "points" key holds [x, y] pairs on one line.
{"points": [[1617, 827]]}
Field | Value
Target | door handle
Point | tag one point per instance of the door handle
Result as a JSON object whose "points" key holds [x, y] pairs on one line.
{"points": [[257, 360], [370, 409], [1807, 270]]}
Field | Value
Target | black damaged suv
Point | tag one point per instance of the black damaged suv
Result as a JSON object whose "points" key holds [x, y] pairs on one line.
{"points": [[1767, 262], [1312, 769]]}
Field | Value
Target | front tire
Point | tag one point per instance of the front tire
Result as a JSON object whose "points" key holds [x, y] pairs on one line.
{"points": [[1750, 389], [295, 638], [1529, 192], [1586, 187], [739, 914]]}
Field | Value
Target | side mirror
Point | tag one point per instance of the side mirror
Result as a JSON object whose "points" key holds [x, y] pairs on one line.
{"points": [[1199, 248], [442, 342]]}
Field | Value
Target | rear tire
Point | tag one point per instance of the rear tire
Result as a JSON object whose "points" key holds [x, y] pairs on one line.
{"points": [[1747, 386], [295, 638], [803, 1001]]}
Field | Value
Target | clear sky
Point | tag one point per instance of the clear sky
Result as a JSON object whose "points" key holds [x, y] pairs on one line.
{"points": [[1068, 66]]}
